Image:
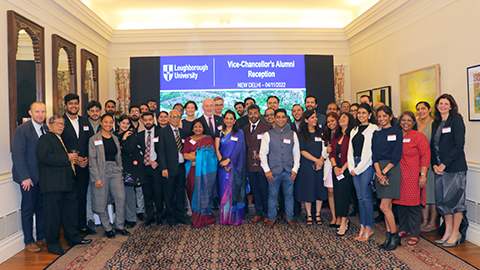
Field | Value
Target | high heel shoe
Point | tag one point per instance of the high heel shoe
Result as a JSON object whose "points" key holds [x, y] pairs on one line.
{"points": [[387, 240], [459, 238], [394, 242], [344, 229], [361, 233], [441, 241], [367, 236]]}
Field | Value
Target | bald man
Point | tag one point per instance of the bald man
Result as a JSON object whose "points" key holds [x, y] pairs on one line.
{"points": [[25, 173], [213, 122]]}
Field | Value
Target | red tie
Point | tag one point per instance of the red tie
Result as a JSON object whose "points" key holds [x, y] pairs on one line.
{"points": [[146, 160]]}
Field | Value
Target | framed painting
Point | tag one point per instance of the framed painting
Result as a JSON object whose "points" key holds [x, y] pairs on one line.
{"points": [[473, 85], [361, 93], [382, 94], [419, 85]]}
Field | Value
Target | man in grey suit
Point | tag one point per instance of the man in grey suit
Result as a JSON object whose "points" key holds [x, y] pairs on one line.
{"points": [[25, 173]]}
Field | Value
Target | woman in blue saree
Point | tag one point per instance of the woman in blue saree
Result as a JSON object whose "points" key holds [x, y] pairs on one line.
{"points": [[232, 178], [201, 170]]}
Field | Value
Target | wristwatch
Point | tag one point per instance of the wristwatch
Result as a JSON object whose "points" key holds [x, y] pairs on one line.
{"points": [[423, 174]]}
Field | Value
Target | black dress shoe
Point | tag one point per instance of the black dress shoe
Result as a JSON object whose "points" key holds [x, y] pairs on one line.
{"points": [[171, 222], [110, 234], [57, 252], [159, 221], [149, 222], [87, 231], [123, 232], [85, 241], [182, 221], [141, 217], [130, 224]]}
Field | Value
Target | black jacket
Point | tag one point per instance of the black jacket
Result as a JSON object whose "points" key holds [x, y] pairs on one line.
{"points": [[70, 139], [169, 153], [452, 142]]}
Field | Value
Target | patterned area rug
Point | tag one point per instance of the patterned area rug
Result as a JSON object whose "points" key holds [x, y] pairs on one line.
{"points": [[251, 246]]}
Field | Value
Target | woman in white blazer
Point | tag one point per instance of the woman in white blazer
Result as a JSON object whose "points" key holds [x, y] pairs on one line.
{"points": [[360, 167]]}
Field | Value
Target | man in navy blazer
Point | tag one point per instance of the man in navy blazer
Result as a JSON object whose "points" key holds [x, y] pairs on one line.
{"points": [[173, 169], [151, 183], [75, 136], [25, 173], [213, 122]]}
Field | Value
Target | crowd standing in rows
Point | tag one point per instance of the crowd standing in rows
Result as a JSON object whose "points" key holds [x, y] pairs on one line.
{"points": [[159, 168]]}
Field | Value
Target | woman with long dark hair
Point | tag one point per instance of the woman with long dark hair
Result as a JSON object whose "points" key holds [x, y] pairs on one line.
{"points": [[309, 186], [342, 179], [232, 178], [424, 118], [450, 167], [331, 125], [361, 168]]}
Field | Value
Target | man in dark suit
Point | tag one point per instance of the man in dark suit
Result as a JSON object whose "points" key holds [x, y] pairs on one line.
{"points": [[75, 136], [110, 109], [297, 112], [173, 169], [58, 188], [242, 119], [311, 104], [213, 122], [151, 184], [25, 173], [258, 182]]}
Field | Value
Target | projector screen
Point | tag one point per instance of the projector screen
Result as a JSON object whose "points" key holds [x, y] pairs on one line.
{"points": [[233, 77]]}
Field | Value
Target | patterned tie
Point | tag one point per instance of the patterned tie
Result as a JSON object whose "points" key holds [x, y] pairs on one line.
{"points": [[146, 159], [253, 128], [71, 162], [210, 125], [179, 141]]}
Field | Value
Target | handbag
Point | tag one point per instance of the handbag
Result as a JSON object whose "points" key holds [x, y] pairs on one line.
{"points": [[128, 180]]}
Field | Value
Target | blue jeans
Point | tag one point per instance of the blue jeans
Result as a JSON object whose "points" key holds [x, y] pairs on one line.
{"points": [[282, 179], [364, 194]]}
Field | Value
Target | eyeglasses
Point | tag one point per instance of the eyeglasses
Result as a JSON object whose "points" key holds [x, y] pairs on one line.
{"points": [[175, 117], [407, 120], [59, 123], [269, 115]]}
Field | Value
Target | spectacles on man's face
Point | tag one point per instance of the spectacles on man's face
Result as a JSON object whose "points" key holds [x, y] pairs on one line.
{"points": [[59, 123], [175, 117]]}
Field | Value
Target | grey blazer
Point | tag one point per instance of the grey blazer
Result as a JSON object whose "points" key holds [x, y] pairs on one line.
{"points": [[96, 157]]}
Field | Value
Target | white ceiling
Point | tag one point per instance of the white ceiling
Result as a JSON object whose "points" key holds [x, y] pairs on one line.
{"points": [[162, 14]]}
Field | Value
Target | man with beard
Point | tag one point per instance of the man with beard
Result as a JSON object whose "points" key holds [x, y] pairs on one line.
{"points": [[134, 114], [258, 182], [75, 136], [57, 185], [152, 107], [151, 183], [25, 173], [297, 112], [269, 117], [110, 109], [94, 111], [242, 117], [280, 160], [311, 104]]}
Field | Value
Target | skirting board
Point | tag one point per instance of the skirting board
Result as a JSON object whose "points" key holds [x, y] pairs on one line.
{"points": [[11, 246], [473, 233]]}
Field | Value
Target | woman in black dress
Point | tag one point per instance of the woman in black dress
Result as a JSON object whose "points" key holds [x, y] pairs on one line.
{"points": [[309, 183], [190, 109]]}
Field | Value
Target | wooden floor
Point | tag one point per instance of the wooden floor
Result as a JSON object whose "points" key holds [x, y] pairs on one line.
{"points": [[33, 261]]}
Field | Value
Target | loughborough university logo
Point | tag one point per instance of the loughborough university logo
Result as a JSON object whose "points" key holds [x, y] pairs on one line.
{"points": [[168, 72]]}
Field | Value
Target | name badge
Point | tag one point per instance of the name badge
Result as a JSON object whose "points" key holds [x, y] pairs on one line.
{"points": [[86, 128], [287, 141], [446, 130], [155, 139], [98, 142], [259, 136], [340, 177], [406, 140], [183, 140], [219, 127], [193, 142], [392, 138], [234, 138], [318, 139]]}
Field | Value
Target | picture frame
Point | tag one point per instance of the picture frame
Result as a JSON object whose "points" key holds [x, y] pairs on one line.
{"points": [[473, 86], [419, 85], [361, 93], [382, 94]]}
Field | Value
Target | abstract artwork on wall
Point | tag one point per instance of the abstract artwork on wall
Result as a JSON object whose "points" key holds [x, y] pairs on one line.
{"points": [[419, 85], [382, 94], [473, 78], [361, 93]]}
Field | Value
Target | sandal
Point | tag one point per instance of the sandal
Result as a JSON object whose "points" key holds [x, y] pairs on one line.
{"points": [[309, 220], [428, 228], [413, 241], [403, 234], [318, 220]]}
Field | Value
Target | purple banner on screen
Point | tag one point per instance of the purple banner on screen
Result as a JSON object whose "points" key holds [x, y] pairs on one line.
{"points": [[232, 72]]}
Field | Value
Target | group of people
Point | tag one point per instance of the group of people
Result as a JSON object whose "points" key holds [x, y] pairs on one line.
{"points": [[153, 165]]}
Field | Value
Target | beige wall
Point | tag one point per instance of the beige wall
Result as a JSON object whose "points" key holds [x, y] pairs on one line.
{"points": [[417, 35]]}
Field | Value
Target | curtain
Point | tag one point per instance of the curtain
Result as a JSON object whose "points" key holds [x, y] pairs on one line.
{"points": [[122, 86], [339, 72]]}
